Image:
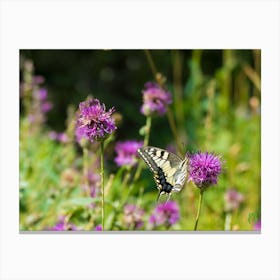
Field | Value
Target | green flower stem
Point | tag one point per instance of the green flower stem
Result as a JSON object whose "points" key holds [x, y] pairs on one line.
{"points": [[85, 169], [178, 90], [140, 166], [199, 207], [210, 92], [102, 181], [169, 114], [148, 130], [151, 62], [146, 142], [126, 177], [27, 79], [228, 220], [174, 130]]}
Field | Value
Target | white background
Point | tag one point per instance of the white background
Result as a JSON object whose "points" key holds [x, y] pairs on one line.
{"points": [[146, 24]]}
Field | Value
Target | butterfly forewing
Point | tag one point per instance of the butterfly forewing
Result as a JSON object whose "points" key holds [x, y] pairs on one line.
{"points": [[169, 170]]}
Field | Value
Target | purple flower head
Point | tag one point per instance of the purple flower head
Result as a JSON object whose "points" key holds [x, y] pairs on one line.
{"points": [[62, 137], [232, 199], [42, 94], [80, 133], [59, 226], [46, 106], [155, 100], [127, 152], [62, 224], [133, 216], [37, 80], [59, 136], [258, 225], [94, 122], [98, 228], [165, 214], [171, 148], [94, 183], [52, 135], [204, 169], [91, 185], [31, 118]]}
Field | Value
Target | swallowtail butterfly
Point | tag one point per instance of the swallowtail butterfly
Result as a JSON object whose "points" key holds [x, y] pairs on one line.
{"points": [[170, 171]]}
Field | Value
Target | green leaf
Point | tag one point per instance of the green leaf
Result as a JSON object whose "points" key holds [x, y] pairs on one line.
{"points": [[81, 201]]}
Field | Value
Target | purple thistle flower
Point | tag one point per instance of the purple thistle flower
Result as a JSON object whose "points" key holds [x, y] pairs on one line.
{"points": [[42, 94], [98, 228], [58, 227], [62, 137], [155, 100], [94, 122], [46, 106], [58, 136], [204, 169], [127, 152], [171, 148], [37, 80], [165, 214], [62, 225], [257, 225], [31, 118], [232, 199], [133, 216], [80, 133], [94, 183], [52, 135]]}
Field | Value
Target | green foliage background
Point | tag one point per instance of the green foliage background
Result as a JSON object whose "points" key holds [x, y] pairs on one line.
{"points": [[216, 107]]}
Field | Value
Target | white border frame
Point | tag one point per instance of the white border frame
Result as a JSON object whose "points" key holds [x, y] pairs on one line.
{"points": [[146, 24]]}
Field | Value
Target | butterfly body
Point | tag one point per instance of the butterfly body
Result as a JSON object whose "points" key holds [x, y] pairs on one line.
{"points": [[169, 170]]}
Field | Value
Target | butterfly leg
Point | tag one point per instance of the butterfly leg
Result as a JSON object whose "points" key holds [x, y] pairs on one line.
{"points": [[159, 194], [168, 197]]}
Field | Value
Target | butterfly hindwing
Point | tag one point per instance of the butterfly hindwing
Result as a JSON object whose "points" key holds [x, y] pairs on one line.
{"points": [[169, 170]]}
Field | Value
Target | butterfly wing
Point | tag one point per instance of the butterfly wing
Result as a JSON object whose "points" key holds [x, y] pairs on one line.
{"points": [[169, 170]]}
